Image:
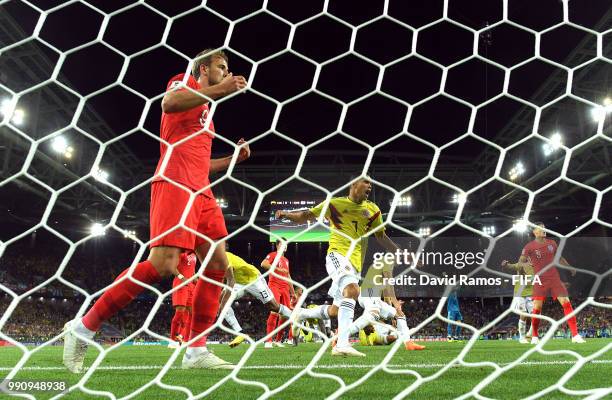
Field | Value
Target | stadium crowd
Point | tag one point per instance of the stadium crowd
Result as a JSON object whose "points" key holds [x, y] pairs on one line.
{"points": [[41, 315]]}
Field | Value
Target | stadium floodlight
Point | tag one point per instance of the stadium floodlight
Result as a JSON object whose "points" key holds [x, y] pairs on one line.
{"points": [[520, 225], [489, 230], [516, 171], [6, 106], [100, 175], [18, 117], [60, 145], [404, 201], [221, 202], [459, 198], [129, 233], [424, 231], [601, 112], [97, 229], [556, 141]]}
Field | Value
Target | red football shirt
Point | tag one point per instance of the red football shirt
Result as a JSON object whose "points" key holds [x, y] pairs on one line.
{"points": [[187, 266], [189, 163], [282, 269], [540, 255]]}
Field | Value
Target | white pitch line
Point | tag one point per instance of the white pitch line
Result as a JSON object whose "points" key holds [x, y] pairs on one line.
{"points": [[331, 366]]}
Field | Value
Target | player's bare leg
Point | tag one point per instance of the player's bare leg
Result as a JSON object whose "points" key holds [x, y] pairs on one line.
{"points": [[162, 262], [205, 308], [568, 309]]}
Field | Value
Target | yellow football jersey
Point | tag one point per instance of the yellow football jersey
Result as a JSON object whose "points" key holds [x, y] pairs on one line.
{"points": [[353, 220], [527, 290], [363, 338], [244, 273]]}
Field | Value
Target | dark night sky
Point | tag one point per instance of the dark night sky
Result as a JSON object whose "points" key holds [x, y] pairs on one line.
{"points": [[310, 117]]}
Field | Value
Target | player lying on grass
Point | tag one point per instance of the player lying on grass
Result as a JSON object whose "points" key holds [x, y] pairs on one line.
{"points": [[318, 326], [185, 119], [376, 309], [245, 278], [522, 302], [540, 253], [379, 334]]}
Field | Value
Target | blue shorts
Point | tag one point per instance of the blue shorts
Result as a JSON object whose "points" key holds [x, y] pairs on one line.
{"points": [[455, 316]]}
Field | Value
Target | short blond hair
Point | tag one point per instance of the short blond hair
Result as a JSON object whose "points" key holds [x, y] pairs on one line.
{"points": [[205, 57]]}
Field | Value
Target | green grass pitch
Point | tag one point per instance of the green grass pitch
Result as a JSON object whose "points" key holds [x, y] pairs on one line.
{"points": [[128, 368], [298, 236]]}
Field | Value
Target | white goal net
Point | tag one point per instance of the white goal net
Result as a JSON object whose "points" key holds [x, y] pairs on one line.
{"points": [[389, 85]]}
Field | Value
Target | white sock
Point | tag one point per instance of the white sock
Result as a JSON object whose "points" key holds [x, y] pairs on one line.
{"points": [[284, 311], [230, 318], [521, 328], [361, 323], [315, 312], [346, 312], [530, 330], [195, 351], [82, 330], [402, 327]]}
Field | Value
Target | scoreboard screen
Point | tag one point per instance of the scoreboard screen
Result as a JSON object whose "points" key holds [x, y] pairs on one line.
{"points": [[296, 232]]}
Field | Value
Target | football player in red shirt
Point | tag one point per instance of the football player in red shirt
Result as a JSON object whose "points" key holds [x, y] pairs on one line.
{"points": [[540, 253], [282, 288], [180, 189]]}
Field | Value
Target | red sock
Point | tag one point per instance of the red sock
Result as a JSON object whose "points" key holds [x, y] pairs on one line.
{"points": [[120, 295], [281, 333], [205, 305], [178, 324], [186, 326], [567, 309], [535, 323], [271, 325], [174, 325]]}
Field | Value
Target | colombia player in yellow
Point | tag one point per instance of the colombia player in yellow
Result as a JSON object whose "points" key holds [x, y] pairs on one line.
{"points": [[351, 218], [245, 278]]}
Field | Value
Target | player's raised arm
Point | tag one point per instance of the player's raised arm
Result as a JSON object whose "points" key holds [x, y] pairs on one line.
{"points": [[210, 79], [175, 101], [221, 164], [522, 262], [299, 217]]}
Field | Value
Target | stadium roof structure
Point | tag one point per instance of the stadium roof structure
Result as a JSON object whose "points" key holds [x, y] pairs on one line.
{"points": [[469, 162]]}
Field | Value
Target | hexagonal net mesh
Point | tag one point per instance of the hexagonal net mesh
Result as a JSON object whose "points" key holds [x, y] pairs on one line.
{"points": [[449, 63]]}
